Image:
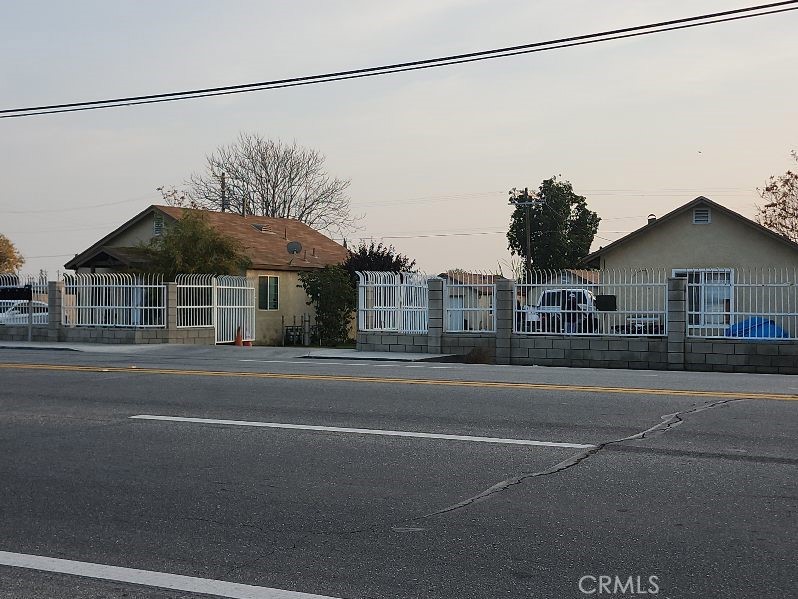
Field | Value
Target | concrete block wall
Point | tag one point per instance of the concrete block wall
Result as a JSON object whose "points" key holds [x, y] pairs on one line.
{"points": [[590, 352], [480, 346], [20, 333], [505, 303], [675, 351], [392, 342], [677, 322], [736, 355], [435, 316]]}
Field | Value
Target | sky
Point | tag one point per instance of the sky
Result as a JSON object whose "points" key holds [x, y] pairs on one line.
{"points": [[638, 126]]}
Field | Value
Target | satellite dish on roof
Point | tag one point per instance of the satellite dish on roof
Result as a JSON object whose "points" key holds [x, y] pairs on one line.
{"points": [[294, 247]]}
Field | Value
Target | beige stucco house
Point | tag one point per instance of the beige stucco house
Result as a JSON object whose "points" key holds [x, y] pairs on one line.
{"points": [[280, 299], [734, 267]]}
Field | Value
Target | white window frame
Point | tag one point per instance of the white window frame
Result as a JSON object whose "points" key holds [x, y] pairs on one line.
{"points": [[268, 289]]}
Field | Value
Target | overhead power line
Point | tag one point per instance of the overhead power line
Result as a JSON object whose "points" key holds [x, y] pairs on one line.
{"points": [[78, 208], [626, 32]]}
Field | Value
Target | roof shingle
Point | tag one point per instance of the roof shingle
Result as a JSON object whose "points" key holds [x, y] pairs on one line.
{"points": [[265, 239]]}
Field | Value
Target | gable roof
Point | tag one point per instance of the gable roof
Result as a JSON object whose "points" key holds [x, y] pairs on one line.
{"points": [[264, 240], [700, 200]]}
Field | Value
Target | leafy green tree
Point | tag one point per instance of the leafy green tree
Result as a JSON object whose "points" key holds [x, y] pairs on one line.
{"points": [[561, 227], [332, 295], [378, 258], [10, 258], [780, 210], [190, 245]]}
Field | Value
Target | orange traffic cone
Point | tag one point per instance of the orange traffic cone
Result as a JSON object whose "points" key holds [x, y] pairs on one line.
{"points": [[239, 339]]}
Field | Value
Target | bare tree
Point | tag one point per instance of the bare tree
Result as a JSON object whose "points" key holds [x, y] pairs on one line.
{"points": [[269, 178], [780, 211]]}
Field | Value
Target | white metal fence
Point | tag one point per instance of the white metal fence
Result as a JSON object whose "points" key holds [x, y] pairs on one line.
{"points": [[580, 302], [469, 302], [196, 300], [114, 300], [37, 282], [393, 301], [235, 309], [741, 303], [17, 312], [225, 303]]}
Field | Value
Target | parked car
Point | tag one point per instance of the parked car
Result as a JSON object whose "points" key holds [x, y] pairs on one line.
{"points": [[15, 312], [563, 311]]}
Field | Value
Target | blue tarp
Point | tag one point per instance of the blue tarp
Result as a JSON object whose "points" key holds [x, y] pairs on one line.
{"points": [[757, 327]]}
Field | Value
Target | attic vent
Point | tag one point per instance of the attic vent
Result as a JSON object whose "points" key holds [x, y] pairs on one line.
{"points": [[701, 216], [262, 228], [157, 225]]}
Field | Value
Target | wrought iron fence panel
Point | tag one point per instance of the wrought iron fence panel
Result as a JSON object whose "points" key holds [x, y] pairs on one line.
{"points": [[469, 302], [756, 303], [16, 312], [235, 309], [114, 300], [414, 303], [393, 302], [615, 302], [196, 300]]}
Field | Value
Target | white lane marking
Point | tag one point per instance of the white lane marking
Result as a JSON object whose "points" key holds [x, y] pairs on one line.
{"points": [[363, 431], [219, 588]]}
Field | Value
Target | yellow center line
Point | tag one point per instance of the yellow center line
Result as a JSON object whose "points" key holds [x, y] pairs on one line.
{"points": [[406, 381]]}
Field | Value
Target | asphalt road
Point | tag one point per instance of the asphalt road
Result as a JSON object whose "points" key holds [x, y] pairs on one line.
{"points": [[705, 501]]}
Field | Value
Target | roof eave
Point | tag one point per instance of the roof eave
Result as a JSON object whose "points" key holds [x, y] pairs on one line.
{"points": [[590, 258], [93, 249]]}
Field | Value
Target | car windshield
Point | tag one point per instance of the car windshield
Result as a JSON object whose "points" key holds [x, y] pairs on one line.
{"points": [[21, 307], [551, 298], [7, 306]]}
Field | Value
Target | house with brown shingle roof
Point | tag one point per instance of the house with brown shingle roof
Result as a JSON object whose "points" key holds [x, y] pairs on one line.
{"points": [[280, 300], [734, 267]]}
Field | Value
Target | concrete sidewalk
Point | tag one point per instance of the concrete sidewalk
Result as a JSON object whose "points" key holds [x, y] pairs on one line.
{"points": [[352, 354], [254, 352]]}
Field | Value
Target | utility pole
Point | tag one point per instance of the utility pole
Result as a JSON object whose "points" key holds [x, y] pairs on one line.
{"points": [[522, 199], [224, 193]]}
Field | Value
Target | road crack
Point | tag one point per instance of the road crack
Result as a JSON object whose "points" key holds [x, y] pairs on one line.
{"points": [[668, 421]]}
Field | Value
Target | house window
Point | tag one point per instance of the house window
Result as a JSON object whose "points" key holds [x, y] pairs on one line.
{"points": [[157, 225], [701, 216], [268, 293], [709, 296]]}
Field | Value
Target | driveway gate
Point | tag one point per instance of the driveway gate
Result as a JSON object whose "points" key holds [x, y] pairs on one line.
{"points": [[222, 302], [235, 307]]}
